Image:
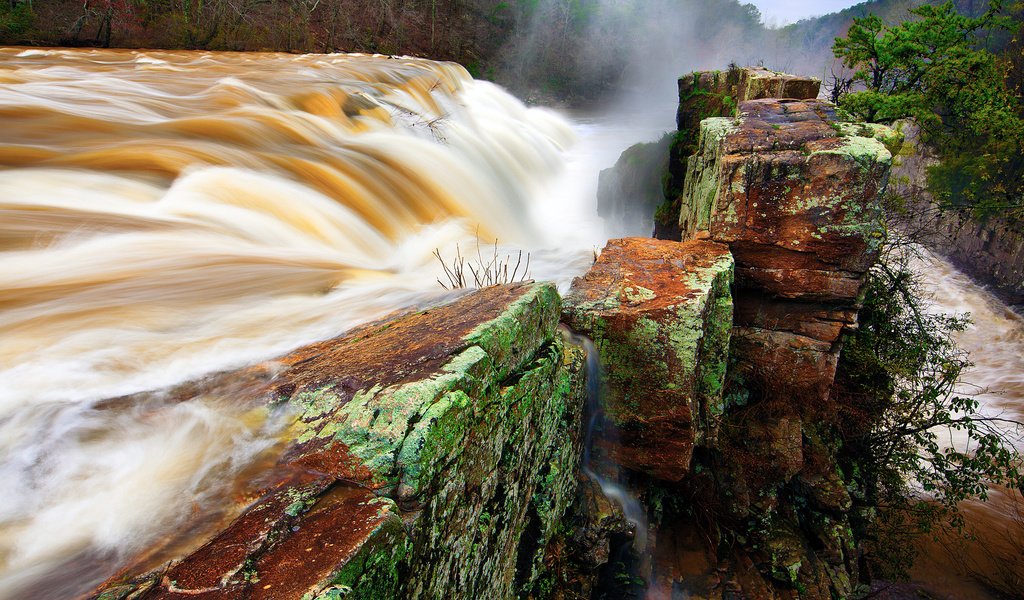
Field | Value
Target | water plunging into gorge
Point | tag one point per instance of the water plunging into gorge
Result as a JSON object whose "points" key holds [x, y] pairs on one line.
{"points": [[597, 426], [167, 215]]}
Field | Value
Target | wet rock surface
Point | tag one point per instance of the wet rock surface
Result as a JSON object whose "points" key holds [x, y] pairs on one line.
{"points": [[793, 192], [749, 503], [659, 313], [429, 452]]}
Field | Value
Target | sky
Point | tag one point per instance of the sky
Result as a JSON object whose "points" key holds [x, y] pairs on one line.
{"points": [[782, 12]]}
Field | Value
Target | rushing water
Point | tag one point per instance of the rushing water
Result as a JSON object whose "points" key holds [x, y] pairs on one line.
{"points": [[632, 509], [994, 342], [164, 215]]}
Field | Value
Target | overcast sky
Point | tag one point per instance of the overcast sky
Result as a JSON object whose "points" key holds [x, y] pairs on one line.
{"points": [[781, 12]]}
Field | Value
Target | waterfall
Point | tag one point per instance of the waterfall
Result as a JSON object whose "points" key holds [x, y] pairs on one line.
{"points": [[168, 215], [632, 509]]}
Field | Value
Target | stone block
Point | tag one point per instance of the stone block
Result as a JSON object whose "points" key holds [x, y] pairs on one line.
{"points": [[441, 445], [660, 313]]}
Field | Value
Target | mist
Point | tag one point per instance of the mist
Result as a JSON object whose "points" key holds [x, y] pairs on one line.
{"points": [[783, 12], [629, 53]]}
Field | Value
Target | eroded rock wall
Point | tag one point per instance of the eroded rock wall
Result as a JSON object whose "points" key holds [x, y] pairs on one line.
{"points": [[706, 94], [659, 313], [749, 503], [629, 193], [794, 194], [433, 452]]}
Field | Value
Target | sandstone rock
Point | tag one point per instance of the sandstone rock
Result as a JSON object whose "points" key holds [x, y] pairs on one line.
{"points": [[431, 452], [706, 94], [792, 197], [794, 193], [758, 82], [659, 313]]}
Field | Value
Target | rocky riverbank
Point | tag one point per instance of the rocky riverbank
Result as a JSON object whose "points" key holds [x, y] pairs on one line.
{"points": [[441, 452], [990, 250]]}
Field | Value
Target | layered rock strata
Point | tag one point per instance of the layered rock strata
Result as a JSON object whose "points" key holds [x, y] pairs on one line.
{"points": [[749, 503], [794, 193], [432, 452], [706, 94], [659, 313]]}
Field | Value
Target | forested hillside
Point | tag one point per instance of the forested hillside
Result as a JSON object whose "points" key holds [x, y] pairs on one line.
{"points": [[571, 49]]}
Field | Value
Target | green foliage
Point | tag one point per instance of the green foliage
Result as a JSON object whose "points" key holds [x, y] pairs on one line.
{"points": [[15, 19], [900, 379], [908, 68], [934, 69]]}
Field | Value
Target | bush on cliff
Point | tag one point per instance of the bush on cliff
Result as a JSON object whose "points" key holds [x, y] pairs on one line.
{"points": [[899, 380], [935, 69]]}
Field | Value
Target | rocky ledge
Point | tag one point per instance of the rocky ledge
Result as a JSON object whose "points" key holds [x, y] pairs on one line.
{"points": [[660, 315], [740, 479], [430, 452], [793, 191]]}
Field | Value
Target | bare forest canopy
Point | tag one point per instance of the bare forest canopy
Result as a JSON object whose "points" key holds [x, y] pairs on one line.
{"points": [[572, 50]]}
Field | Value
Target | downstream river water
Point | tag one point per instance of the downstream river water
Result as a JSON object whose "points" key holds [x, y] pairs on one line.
{"points": [[165, 215]]}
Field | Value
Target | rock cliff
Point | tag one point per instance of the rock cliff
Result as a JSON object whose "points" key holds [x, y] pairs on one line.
{"points": [[792, 191], [629, 193], [741, 478], [660, 314], [434, 451], [707, 94]]}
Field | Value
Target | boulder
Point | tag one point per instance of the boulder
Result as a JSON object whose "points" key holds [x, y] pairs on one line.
{"points": [[430, 452], [660, 314]]}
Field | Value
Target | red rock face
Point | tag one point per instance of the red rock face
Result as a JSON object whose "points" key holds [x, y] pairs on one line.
{"points": [[707, 94], [659, 312], [793, 193], [796, 201]]}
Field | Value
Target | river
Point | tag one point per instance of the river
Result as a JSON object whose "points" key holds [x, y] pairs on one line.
{"points": [[167, 215], [994, 341]]}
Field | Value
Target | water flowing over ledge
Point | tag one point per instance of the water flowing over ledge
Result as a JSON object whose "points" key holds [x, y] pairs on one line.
{"points": [[169, 214]]}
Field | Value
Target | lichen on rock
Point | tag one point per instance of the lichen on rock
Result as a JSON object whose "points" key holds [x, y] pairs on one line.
{"points": [[434, 451], [663, 349]]}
